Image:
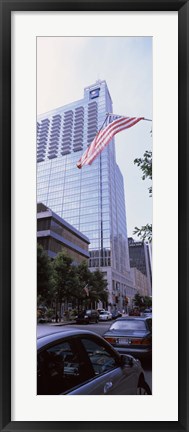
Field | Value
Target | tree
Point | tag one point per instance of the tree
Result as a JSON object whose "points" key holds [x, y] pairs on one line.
{"points": [[64, 278], [83, 276], [91, 286], [148, 301], [145, 164], [145, 232], [138, 300], [44, 270], [142, 301], [98, 289]]}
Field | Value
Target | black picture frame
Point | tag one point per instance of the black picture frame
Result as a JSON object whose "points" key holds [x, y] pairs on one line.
{"points": [[6, 7]]}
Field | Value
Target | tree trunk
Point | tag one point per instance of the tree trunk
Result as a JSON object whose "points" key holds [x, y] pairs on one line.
{"points": [[60, 313]]}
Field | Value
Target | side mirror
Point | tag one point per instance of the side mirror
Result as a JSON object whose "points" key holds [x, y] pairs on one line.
{"points": [[126, 360]]}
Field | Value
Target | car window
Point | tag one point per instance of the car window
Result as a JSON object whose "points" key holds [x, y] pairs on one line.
{"points": [[129, 325], [60, 368], [101, 359]]}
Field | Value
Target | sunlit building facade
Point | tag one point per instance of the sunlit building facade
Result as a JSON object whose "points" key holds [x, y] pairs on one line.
{"points": [[92, 198]]}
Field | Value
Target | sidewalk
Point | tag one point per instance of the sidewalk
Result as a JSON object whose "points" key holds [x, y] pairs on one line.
{"points": [[62, 323]]}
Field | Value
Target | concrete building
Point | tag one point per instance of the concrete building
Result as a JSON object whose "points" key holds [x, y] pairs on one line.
{"points": [[140, 282], [90, 199], [140, 258], [54, 234]]}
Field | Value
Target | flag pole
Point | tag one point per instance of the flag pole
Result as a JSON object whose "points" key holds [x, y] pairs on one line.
{"points": [[107, 115]]}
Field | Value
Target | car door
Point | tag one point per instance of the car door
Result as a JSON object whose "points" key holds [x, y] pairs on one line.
{"points": [[109, 378]]}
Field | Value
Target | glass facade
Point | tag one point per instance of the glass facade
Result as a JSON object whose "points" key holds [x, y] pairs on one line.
{"points": [[92, 198]]}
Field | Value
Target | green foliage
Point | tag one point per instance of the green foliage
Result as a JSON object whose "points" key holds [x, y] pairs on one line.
{"points": [[44, 271], [145, 232], [84, 278], [61, 281], [138, 300], [148, 301], [142, 301], [98, 289], [95, 283], [64, 277], [49, 313], [145, 164]]}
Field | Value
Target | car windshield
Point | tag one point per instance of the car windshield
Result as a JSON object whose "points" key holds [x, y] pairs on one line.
{"points": [[128, 325]]}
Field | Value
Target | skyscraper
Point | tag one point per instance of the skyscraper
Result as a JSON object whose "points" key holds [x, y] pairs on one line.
{"points": [[140, 258], [90, 199]]}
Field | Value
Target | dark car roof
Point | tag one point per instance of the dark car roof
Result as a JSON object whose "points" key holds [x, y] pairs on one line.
{"points": [[52, 337]]}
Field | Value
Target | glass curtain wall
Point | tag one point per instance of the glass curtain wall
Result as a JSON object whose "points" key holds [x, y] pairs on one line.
{"points": [[92, 198]]}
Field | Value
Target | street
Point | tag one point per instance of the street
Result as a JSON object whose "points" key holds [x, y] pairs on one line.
{"points": [[99, 328]]}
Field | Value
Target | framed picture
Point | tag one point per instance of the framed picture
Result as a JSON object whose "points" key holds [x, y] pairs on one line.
{"points": [[23, 24]]}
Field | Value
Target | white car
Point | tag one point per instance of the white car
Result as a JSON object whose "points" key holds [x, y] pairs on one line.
{"points": [[105, 316]]}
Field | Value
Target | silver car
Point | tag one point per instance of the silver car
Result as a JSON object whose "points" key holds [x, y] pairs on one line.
{"points": [[132, 335], [76, 362]]}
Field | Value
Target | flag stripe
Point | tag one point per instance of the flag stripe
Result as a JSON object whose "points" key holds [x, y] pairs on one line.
{"points": [[111, 131], [112, 126], [104, 136], [91, 148], [103, 143]]}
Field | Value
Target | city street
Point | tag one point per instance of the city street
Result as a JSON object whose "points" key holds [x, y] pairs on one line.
{"points": [[99, 328]]}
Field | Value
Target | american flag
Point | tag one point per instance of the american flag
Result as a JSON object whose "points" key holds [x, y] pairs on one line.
{"points": [[105, 135], [86, 289]]}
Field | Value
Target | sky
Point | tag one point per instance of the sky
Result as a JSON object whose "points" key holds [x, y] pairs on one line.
{"points": [[66, 65]]}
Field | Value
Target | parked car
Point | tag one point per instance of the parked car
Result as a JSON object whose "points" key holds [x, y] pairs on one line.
{"points": [[116, 314], [87, 316], [131, 336], [77, 362], [105, 316], [134, 312], [43, 320], [146, 312]]}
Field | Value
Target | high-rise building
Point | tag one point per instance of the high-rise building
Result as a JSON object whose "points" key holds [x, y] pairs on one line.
{"points": [[92, 198], [140, 258]]}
